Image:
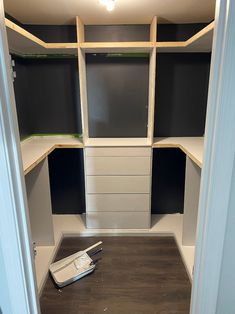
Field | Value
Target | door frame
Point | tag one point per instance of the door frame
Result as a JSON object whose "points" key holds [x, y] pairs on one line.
{"points": [[218, 165], [18, 291]]}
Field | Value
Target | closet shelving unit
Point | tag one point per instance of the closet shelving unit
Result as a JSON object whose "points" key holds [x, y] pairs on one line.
{"points": [[36, 149]]}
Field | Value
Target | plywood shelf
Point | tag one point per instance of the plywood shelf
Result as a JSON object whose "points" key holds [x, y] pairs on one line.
{"points": [[200, 42], [23, 43], [193, 147], [116, 47], [36, 148]]}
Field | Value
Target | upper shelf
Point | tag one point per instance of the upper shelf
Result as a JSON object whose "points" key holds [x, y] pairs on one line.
{"points": [[200, 42], [117, 47], [22, 42]]}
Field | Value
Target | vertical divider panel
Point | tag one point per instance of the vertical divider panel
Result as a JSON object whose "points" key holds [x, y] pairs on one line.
{"points": [[153, 30], [151, 100], [39, 202], [152, 77], [82, 78], [191, 201]]}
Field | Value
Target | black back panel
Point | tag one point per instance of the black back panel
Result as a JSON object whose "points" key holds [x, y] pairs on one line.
{"points": [[54, 33], [117, 96], [117, 33], [178, 32], [47, 96], [181, 94], [66, 169], [168, 178]]}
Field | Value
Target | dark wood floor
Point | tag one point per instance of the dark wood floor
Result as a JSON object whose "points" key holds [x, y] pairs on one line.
{"points": [[134, 275]]}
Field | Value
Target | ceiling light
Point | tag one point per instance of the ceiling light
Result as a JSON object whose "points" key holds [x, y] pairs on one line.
{"points": [[104, 2], [110, 4]]}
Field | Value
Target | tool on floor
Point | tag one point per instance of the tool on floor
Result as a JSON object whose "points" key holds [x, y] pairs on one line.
{"points": [[73, 267]]}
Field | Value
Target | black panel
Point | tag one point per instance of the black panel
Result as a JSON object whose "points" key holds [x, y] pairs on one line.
{"points": [[177, 32], [21, 88], [49, 33], [117, 96], [181, 94], [54, 33], [14, 20], [168, 179], [52, 92], [117, 33], [66, 171]]}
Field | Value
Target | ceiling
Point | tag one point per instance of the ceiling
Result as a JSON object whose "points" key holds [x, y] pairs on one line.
{"points": [[126, 11]]}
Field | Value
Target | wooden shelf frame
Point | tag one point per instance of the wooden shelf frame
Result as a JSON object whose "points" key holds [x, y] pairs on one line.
{"points": [[34, 45], [116, 47], [23, 43]]}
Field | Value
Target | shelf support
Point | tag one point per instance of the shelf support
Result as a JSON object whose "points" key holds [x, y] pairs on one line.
{"points": [[152, 79], [82, 78], [153, 30]]}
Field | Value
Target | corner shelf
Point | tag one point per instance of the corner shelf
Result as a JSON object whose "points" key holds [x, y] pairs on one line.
{"points": [[36, 148], [23, 43], [200, 42], [193, 147]]}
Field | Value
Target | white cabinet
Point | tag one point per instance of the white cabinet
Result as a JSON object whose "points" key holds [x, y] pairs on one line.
{"points": [[117, 202], [118, 187], [117, 184], [118, 165]]}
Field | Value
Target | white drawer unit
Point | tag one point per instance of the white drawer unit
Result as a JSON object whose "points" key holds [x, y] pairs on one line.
{"points": [[118, 165], [118, 151], [117, 202], [117, 184], [118, 187], [118, 220]]}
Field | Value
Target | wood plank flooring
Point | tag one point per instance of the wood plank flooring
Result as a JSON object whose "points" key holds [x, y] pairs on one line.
{"points": [[133, 275]]}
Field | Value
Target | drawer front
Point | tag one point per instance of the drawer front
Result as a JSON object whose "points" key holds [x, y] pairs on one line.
{"points": [[117, 184], [117, 220], [118, 202], [118, 151], [118, 165]]}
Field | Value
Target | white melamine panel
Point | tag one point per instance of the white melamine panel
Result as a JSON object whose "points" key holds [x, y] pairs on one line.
{"points": [[117, 184], [117, 202], [118, 142], [118, 151], [118, 165], [191, 200], [39, 202], [118, 220]]}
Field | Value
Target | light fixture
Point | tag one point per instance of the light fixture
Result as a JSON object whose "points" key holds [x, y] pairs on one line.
{"points": [[110, 4]]}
